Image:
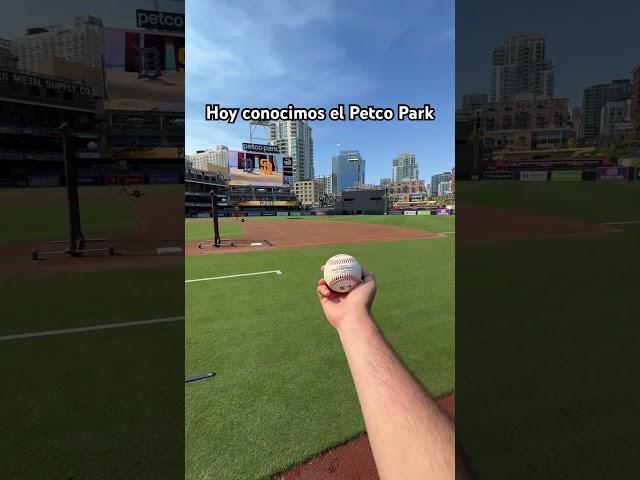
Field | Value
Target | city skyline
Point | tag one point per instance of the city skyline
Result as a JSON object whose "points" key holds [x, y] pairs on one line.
{"points": [[350, 55], [572, 74]]}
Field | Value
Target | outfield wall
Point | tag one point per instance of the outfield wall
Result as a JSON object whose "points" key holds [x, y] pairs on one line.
{"points": [[612, 173], [269, 213]]}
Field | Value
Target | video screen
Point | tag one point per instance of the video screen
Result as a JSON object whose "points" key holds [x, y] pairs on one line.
{"points": [[257, 169], [144, 66]]}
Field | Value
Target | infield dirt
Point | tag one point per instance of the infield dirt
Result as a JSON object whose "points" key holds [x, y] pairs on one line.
{"points": [[353, 460], [310, 233], [483, 224], [159, 223]]}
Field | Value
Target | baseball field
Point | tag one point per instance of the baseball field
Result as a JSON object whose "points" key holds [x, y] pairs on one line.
{"points": [[282, 392], [83, 387]]}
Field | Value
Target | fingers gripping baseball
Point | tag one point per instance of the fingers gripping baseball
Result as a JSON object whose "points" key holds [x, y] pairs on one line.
{"points": [[345, 292]]}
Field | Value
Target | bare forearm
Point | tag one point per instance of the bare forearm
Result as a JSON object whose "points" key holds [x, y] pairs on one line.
{"points": [[410, 436]]}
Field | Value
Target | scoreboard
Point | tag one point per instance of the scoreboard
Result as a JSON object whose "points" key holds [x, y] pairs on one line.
{"points": [[287, 171]]}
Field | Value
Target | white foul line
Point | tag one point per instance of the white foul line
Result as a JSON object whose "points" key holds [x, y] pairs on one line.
{"points": [[47, 333], [277, 272], [621, 223]]}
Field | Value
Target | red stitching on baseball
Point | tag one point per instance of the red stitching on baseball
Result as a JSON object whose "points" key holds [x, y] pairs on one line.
{"points": [[344, 277]]}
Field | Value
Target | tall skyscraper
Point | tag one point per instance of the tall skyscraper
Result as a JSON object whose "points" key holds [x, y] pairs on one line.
{"points": [[594, 98], [404, 167], [347, 170], [520, 66], [294, 140], [437, 179]]}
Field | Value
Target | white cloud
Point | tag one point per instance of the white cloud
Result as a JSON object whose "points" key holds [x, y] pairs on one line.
{"points": [[264, 54]]}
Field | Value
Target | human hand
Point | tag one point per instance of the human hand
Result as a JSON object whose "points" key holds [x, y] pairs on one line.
{"points": [[339, 306]]}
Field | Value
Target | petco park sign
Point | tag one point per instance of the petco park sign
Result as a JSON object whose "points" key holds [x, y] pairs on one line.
{"points": [[259, 148], [152, 19]]}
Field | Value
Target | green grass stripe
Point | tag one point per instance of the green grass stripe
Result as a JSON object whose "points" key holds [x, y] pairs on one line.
{"points": [[142, 294]]}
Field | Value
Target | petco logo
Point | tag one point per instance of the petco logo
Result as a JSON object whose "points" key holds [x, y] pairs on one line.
{"points": [[160, 20]]}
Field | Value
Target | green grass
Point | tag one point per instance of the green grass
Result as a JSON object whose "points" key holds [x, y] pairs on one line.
{"points": [[283, 392], [542, 383], [49, 220], [565, 393], [100, 404], [419, 222], [198, 229], [589, 201], [41, 213], [431, 223], [155, 297]]}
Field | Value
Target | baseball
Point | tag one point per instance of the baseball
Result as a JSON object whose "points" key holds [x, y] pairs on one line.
{"points": [[342, 272]]}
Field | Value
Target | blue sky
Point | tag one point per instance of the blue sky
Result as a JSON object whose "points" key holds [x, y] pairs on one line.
{"points": [[588, 42], [319, 54]]}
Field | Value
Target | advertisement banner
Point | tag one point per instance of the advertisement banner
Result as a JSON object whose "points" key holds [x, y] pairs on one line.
{"points": [[143, 66], [164, 179], [267, 203], [497, 175], [253, 214], [612, 174], [44, 181], [123, 179], [204, 214], [424, 212], [282, 214], [159, 153], [566, 175], [395, 212], [295, 214], [287, 170], [307, 212], [533, 176], [410, 212], [440, 211], [88, 180], [268, 214]]}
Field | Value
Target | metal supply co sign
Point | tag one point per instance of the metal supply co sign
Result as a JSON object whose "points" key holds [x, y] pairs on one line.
{"points": [[154, 20], [17, 78]]}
